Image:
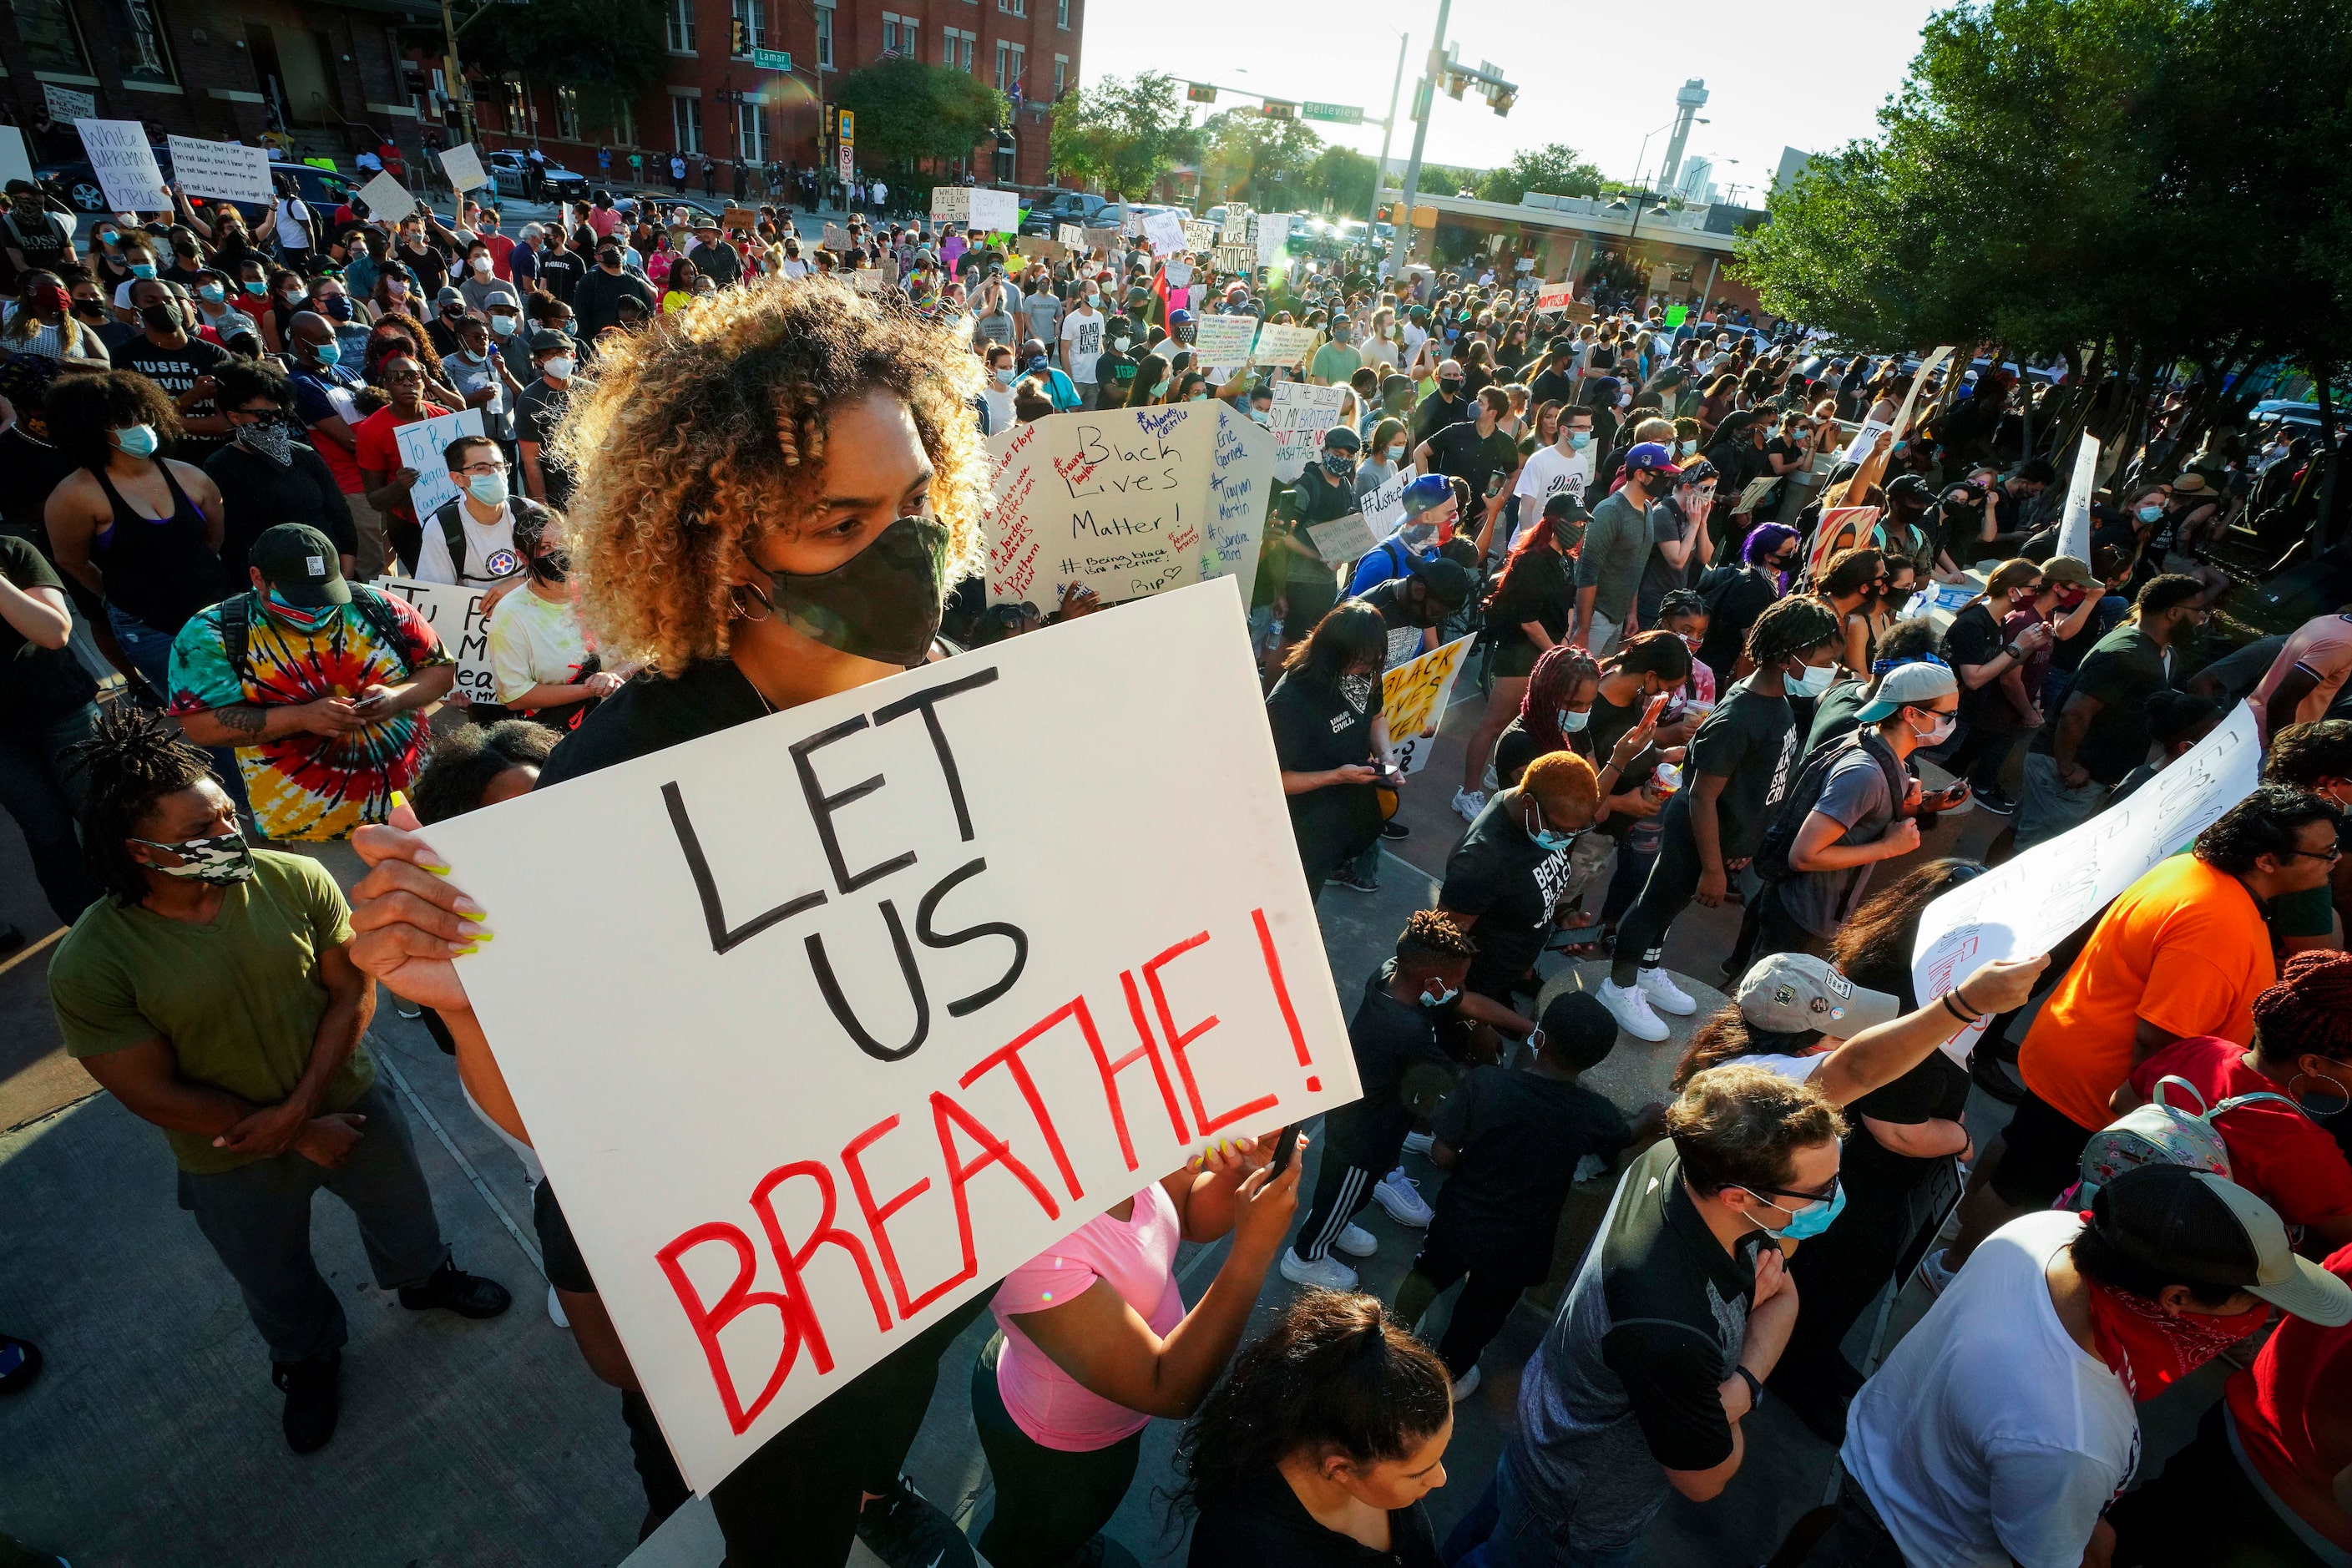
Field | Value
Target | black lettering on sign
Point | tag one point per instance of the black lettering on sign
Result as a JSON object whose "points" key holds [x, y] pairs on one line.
{"points": [[846, 1016], [823, 805], [931, 938], [723, 938], [928, 701]]}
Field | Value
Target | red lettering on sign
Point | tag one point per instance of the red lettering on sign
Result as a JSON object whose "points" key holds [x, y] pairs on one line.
{"points": [[1282, 996], [876, 1214], [1148, 1050], [733, 1302], [1010, 1056], [993, 1152], [1178, 1040], [793, 1262]]}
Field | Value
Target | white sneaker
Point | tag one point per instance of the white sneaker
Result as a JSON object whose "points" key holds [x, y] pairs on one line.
{"points": [[1630, 1005], [1324, 1273], [1937, 1273], [1466, 1385], [1665, 994], [1399, 1196], [1420, 1142], [1469, 803], [1356, 1242], [555, 1310]]}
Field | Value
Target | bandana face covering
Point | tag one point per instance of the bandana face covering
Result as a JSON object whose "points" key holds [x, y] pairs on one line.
{"points": [[216, 861], [270, 439], [881, 604], [2150, 1349]]}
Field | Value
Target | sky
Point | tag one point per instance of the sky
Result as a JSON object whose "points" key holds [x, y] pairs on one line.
{"points": [[1811, 78]]}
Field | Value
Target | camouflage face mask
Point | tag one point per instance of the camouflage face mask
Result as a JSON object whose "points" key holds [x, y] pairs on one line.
{"points": [[881, 604]]}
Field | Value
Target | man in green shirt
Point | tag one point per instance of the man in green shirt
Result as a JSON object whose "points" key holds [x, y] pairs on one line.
{"points": [[212, 993], [1337, 360]]}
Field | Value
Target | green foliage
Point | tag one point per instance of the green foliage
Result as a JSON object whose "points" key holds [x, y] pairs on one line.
{"points": [[1555, 170], [908, 110], [1123, 134], [1344, 177], [615, 47], [1244, 155]]}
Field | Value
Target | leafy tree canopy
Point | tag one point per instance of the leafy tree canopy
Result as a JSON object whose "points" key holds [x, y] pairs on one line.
{"points": [[907, 110], [1123, 134], [1555, 170]]}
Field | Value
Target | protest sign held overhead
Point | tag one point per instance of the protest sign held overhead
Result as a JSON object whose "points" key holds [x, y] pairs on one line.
{"points": [[994, 212], [952, 203], [423, 446], [873, 1044], [386, 198], [1071, 234], [1413, 698], [67, 103], [1282, 345], [2075, 523], [1223, 342], [124, 164], [1200, 238], [463, 167], [15, 164], [1165, 232], [221, 171], [1301, 415], [1555, 296], [1129, 502], [454, 611]]}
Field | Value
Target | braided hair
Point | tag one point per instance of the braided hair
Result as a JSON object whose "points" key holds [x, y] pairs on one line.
{"points": [[2310, 1009], [1790, 629], [1560, 670], [133, 759]]}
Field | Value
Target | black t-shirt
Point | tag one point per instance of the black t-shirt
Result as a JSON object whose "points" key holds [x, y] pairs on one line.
{"points": [[559, 273], [1264, 1523], [537, 413], [36, 684], [43, 240], [176, 371], [1607, 727], [1459, 452], [1388, 1037], [1541, 587], [1519, 1138], [1734, 603], [652, 713], [34, 469], [1935, 1090], [1553, 386], [1749, 740], [1959, 527], [1510, 882], [1974, 637], [1436, 412], [1318, 727], [1393, 600], [431, 266], [257, 493], [1837, 713], [1659, 575]]}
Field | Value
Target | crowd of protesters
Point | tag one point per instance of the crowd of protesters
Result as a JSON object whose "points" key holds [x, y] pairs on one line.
{"points": [[1703, 677]]}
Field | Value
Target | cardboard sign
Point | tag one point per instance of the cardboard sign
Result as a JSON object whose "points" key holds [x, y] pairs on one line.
{"points": [[2075, 523], [463, 167], [872, 1044], [1241, 259], [1343, 541], [1413, 698], [454, 611], [124, 164], [1099, 239], [1223, 343], [1384, 507], [739, 217], [221, 171], [1199, 236], [835, 237], [952, 203], [423, 446], [867, 279], [1834, 523], [2028, 905], [1179, 275], [1038, 247], [387, 199], [1071, 234], [1131, 224], [995, 212], [1301, 415], [14, 163], [65, 103], [1556, 296], [1282, 345], [1165, 232], [1130, 502]]}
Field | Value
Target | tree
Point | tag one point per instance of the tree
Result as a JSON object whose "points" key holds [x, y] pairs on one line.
{"points": [[1244, 155], [1123, 134], [907, 112], [1555, 170], [613, 51], [1343, 177]]}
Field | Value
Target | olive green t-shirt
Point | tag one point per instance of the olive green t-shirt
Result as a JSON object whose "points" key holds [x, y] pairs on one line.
{"points": [[238, 1001]]}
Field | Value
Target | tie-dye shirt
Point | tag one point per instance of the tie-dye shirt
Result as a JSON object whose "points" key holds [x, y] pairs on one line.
{"points": [[302, 785]]}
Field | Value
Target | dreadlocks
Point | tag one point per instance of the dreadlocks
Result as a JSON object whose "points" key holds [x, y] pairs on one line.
{"points": [[1790, 628], [133, 759]]}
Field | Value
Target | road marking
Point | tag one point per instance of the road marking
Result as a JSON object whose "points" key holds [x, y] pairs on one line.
{"points": [[19, 957], [527, 1240]]}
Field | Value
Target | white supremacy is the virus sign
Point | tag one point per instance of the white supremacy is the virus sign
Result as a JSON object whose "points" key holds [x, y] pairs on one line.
{"points": [[894, 990]]}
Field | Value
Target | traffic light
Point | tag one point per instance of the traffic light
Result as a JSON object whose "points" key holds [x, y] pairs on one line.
{"points": [[1276, 109], [737, 43], [1455, 86], [1200, 92], [1501, 99]]}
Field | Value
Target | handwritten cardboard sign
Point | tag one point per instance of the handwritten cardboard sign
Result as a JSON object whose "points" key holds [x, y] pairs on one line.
{"points": [[1235, 258], [880, 1038], [124, 164], [1282, 345], [463, 167], [738, 218], [1038, 247], [1301, 415], [1556, 296], [995, 212], [387, 199], [1165, 232], [1071, 234], [424, 446], [952, 203], [1384, 507], [1223, 343], [221, 171], [1413, 698], [836, 239], [1343, 540], [1099, 239], [455, 612], [2028, 905], [1130, 502], [1199, 236]]}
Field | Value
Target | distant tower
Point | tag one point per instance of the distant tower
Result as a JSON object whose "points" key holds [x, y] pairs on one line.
{"points": [[1687, 103], [1696, 175]]}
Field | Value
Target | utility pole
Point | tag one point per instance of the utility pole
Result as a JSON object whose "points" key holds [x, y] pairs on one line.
{"points": [[1423, 94], [1388, 129], [455, 72]]}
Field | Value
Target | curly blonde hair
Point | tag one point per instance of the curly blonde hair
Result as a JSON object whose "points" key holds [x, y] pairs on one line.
{"points": [[691, 442]]}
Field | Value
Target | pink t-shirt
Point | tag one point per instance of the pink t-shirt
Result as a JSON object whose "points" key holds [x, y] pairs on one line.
{"points": [[1138, 1258]]}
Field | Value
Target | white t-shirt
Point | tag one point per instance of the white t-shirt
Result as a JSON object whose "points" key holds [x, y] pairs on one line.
{"points": [[1988, 1435], [293, 231], [1082, 340], [1799, 1067], [534, 641], [1413, 338], [484, 542], [1547, 472], [1380, 351], [1000, 409]]}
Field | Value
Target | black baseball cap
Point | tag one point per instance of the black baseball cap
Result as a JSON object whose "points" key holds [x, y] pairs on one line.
{"points": [[2207, 1229], [1564, 504], [1341, 438], [1448, 581], [300, 563]]}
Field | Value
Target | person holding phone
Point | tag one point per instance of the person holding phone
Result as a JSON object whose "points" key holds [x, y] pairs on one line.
{"points": [[1331, 741], [1094, 1340]]}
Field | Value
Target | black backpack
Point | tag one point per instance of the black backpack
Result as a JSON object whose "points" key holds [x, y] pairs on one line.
{"points": [[1785, 814], [236, 626], [530, 518]]}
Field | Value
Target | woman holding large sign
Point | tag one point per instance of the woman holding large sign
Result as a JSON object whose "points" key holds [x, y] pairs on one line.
{"points": [[771, 496]]}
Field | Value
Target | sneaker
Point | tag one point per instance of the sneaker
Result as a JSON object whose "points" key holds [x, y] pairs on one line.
{"points": [[312, 1401], [468, 1295], [20, 1363], [1665, 994], [1393, 828], [1466, 1384], [1993, 799], [1399, 1196], [1323, 1273], [1356, 1242], [1469, 803], [1630, 1005], [555, 1310], [904, 1529], [1420, 1142], [1354, 883], [1937, 1272]]}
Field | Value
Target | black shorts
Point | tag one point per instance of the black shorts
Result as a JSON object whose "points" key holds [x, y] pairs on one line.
{"points": [[2041, 1153], [559, 1255]]}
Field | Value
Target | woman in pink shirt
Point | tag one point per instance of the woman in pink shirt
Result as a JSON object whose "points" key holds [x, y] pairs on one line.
{"points": [[1096, 1341]]}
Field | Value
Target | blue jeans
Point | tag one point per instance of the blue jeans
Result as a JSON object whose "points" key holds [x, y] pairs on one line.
{"points": [[149, 650], [44, 794], [1501, 1531]]}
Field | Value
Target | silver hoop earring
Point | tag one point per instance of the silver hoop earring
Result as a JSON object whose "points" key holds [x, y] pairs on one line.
{"points": [[736, 596], [2294, 1094]]}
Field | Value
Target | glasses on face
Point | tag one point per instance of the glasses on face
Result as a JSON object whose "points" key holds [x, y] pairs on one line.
{"points": [[403, 377], [2331, 854], [485, 468], [1826, 1196]]}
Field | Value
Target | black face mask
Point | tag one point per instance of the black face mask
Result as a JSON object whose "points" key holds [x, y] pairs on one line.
{"points": [[881, 604], [161, 318]]}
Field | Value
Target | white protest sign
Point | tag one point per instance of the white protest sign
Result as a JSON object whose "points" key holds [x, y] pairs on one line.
{"points": [[1200, 236], [1273, 235], [952, 203], [386, 199], [2026, 905], [454, 611], [870, 1045], [1238, 258], [1858, 448], [221, 171], [65, 103], [1223, 342], [1071, 234], [15, 163], [835, 237], [1130, 502], [1413, 698], [1179, 275], [1165, 232], [463, 166], [1556, 296], [1343, 541], [995, 212], [2075, 523], [423, 446], [1911, 395], [124, 164], [867, 279], [1301, 415], [1282, 345], [1384, 507]]}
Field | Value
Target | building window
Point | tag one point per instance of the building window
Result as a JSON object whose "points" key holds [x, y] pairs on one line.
{"points": [[751, 18], [140, 52], [751, 133], [516, 105], [567, 113], [1061, 13], [1014, 7], [680, 14], [957, 55], [685, 124], [902, 34], [624, 121], [1010, 59], [1007, 159], [825, 37], [1061, 76], [52, 41]]}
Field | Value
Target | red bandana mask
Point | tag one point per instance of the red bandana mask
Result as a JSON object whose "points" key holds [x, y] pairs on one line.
{"points": [[2151, 1350]]}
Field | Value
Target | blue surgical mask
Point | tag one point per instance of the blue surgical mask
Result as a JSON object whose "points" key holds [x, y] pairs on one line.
{"points": [[329, 352], [258, 290], [2150, 513], [136, 440], [1579, 440], [1444, 994], [1811, 680], [211, 293], [490, 490], [1807, 1222], [1004, 377], [1571, 723], [143, 269]]}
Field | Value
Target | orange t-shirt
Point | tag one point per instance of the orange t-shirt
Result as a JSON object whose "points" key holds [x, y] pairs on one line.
{"points": [[2185, 948]]}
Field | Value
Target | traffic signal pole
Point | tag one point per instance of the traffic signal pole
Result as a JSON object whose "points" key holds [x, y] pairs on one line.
{"points": [[1425, 94], [1388, 129]]}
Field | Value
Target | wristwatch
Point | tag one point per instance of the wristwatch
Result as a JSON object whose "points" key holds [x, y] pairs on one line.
{"points": [[1754, 1389]]}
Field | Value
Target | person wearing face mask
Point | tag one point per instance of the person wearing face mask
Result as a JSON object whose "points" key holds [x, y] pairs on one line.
{"points": [[542, 663], [1449, 404], [441, 327], [217, 311], [1324, 492], [477, 369], [1384, 445], [597, 299], [1330, 738], [1616, 547], [108, 260], [996, 393], [815, 561], [31, 237], [1682, 545], [1998, 644], [213, 995], [1480, 454], [400, 379], [472, 539], [1563, 466], [266, 476], [167, 354], [1338, 359], [45, 325], [539, 411], [1430, 511]]}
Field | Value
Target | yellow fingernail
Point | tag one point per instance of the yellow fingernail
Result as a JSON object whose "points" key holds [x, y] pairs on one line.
{"points": [[466, 953], [437, 870]]}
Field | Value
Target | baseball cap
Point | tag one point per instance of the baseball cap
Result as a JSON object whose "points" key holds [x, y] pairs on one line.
{"points": [[1790, 992], [1448, 581], [2067, 571], [300, 563], [547, 337], [1911, 485], [2209, 1229], [1563, 504], [1427, 493], [1651, 458], [1180, 318], [1341, 438], [1906, 685]]}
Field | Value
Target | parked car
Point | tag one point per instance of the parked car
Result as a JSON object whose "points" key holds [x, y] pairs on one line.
{"points": [[505, 168], [1067, 207]]}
